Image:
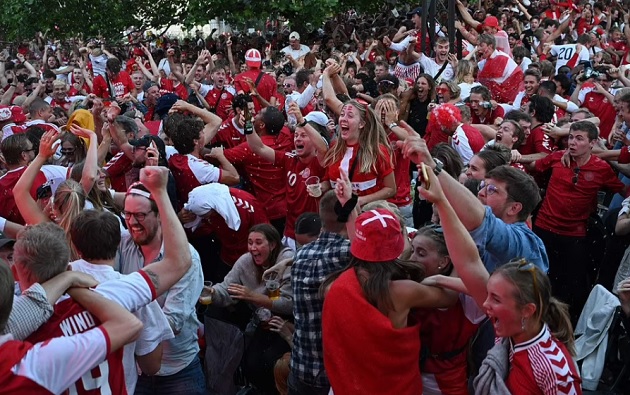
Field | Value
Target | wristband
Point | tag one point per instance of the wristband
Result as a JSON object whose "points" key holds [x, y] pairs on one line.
{"points": [[343, 212], [249, 128], [3, 223], [303, 123]]}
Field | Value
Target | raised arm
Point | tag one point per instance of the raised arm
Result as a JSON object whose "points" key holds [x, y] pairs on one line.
{"points": [[212, 121], [177, 258], [90, 167], [328, 91], [259, 148], [468, 19], [469, 209], [28, 207], [461, 247]]}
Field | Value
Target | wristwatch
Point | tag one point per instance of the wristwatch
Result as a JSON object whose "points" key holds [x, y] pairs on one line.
{"points": [[438, 166], [392, 125]]}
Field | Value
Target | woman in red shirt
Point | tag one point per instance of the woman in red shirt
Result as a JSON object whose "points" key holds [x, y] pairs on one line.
{"points": [[363, 152], [533, 329]]}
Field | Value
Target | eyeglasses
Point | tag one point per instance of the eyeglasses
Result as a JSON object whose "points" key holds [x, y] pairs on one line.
{"points": [[287, 85], [576, 172], [28, 150], [139, 148], [138, 216], [525, 266], [67, 151], [491, 189]]}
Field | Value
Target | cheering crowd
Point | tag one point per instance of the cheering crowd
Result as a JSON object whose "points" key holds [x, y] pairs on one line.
{"points": [[352, 210]]}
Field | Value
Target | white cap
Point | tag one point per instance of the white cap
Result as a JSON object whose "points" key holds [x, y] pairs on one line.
{"points": [[318, 117], [294, 36]]}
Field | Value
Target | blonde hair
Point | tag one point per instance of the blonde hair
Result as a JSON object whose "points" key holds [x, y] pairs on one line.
{"points": [[69, 200], [371, 137], [464, 68]]}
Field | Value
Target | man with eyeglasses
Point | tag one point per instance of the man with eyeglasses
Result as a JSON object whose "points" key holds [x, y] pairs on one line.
{"points": [[305, 88], [562, 220], [180, 372]]}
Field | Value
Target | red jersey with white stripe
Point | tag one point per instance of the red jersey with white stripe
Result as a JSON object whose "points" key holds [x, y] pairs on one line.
{"points": [[362, 183], [298, 199], [501, 75], [467, 141], [266, 87], [543, 366], [117, 169], [489, 119], [234, 242], [49, 367], [47, 126], [11, 129], [70, 319], [229, 134], [8, 208], [221, 101], [568, 55], [190, 172], [401, 174], [267, 181]]}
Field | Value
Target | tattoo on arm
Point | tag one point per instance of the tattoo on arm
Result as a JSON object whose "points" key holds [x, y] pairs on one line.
{"points": [[155, 279]]}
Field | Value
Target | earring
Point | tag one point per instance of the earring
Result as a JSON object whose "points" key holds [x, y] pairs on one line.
{"points": [[523, 323], [439, 267]]}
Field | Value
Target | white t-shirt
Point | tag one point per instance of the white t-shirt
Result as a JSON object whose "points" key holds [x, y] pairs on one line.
{"points": [[156, 327], [296, 53], [564, 53]]}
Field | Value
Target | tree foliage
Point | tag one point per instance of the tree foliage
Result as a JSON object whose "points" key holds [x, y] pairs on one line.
{"points": [[65, 18]]}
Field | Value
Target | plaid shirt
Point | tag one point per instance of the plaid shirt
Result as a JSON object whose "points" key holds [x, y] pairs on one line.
{"points": [[313, 263]]}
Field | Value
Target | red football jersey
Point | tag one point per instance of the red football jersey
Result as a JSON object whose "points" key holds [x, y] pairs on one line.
{"points": [[234, 242], [229, 134], [122, 85], [362, 183], [267, 181], [221, 101], [116, 170], [298, 200], [190, 172], [266, 87], [568, 204], [538, 141]]}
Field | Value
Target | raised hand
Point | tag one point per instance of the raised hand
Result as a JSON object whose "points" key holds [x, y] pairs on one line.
{"points": [[48, 143], [343, 189], [154, 178]]}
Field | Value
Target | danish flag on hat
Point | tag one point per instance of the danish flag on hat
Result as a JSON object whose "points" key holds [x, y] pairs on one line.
{"points": [[253, 58], [378, 236]]}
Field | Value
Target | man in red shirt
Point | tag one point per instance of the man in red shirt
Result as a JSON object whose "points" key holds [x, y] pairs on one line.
{"points": [[298, 166], [189, 170], [219, 96], [41, 112], [151, 96], [18, 152], [596, 96], [115, 84], [483, 110], [561, 222], [264, 83], [537, 143], [267, 181], [232, 131]]}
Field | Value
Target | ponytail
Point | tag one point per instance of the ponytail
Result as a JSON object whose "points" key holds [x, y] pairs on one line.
{"points": [[557, 318]]}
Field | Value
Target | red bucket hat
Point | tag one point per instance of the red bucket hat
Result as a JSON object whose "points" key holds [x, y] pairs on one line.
{"points": [[378, 236], [491, 21]]}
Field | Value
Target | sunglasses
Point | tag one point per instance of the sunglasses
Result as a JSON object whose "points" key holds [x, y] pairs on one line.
{"points": [[525, 266], [436, 228], [576, 173]]}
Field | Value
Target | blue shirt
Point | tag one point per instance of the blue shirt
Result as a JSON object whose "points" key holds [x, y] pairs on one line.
{"points": [[498, 243]]}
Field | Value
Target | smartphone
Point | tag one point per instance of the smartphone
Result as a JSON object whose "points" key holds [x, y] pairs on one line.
{"points": [[151, 154]]}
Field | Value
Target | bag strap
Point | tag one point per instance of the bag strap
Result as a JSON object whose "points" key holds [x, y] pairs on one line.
{"points": [[260, 75], [110, 87], [439, 73]]}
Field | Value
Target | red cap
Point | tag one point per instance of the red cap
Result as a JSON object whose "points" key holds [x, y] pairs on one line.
{"points": [[378, 236], [491, 21], [12, 113], [253, 58]]}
